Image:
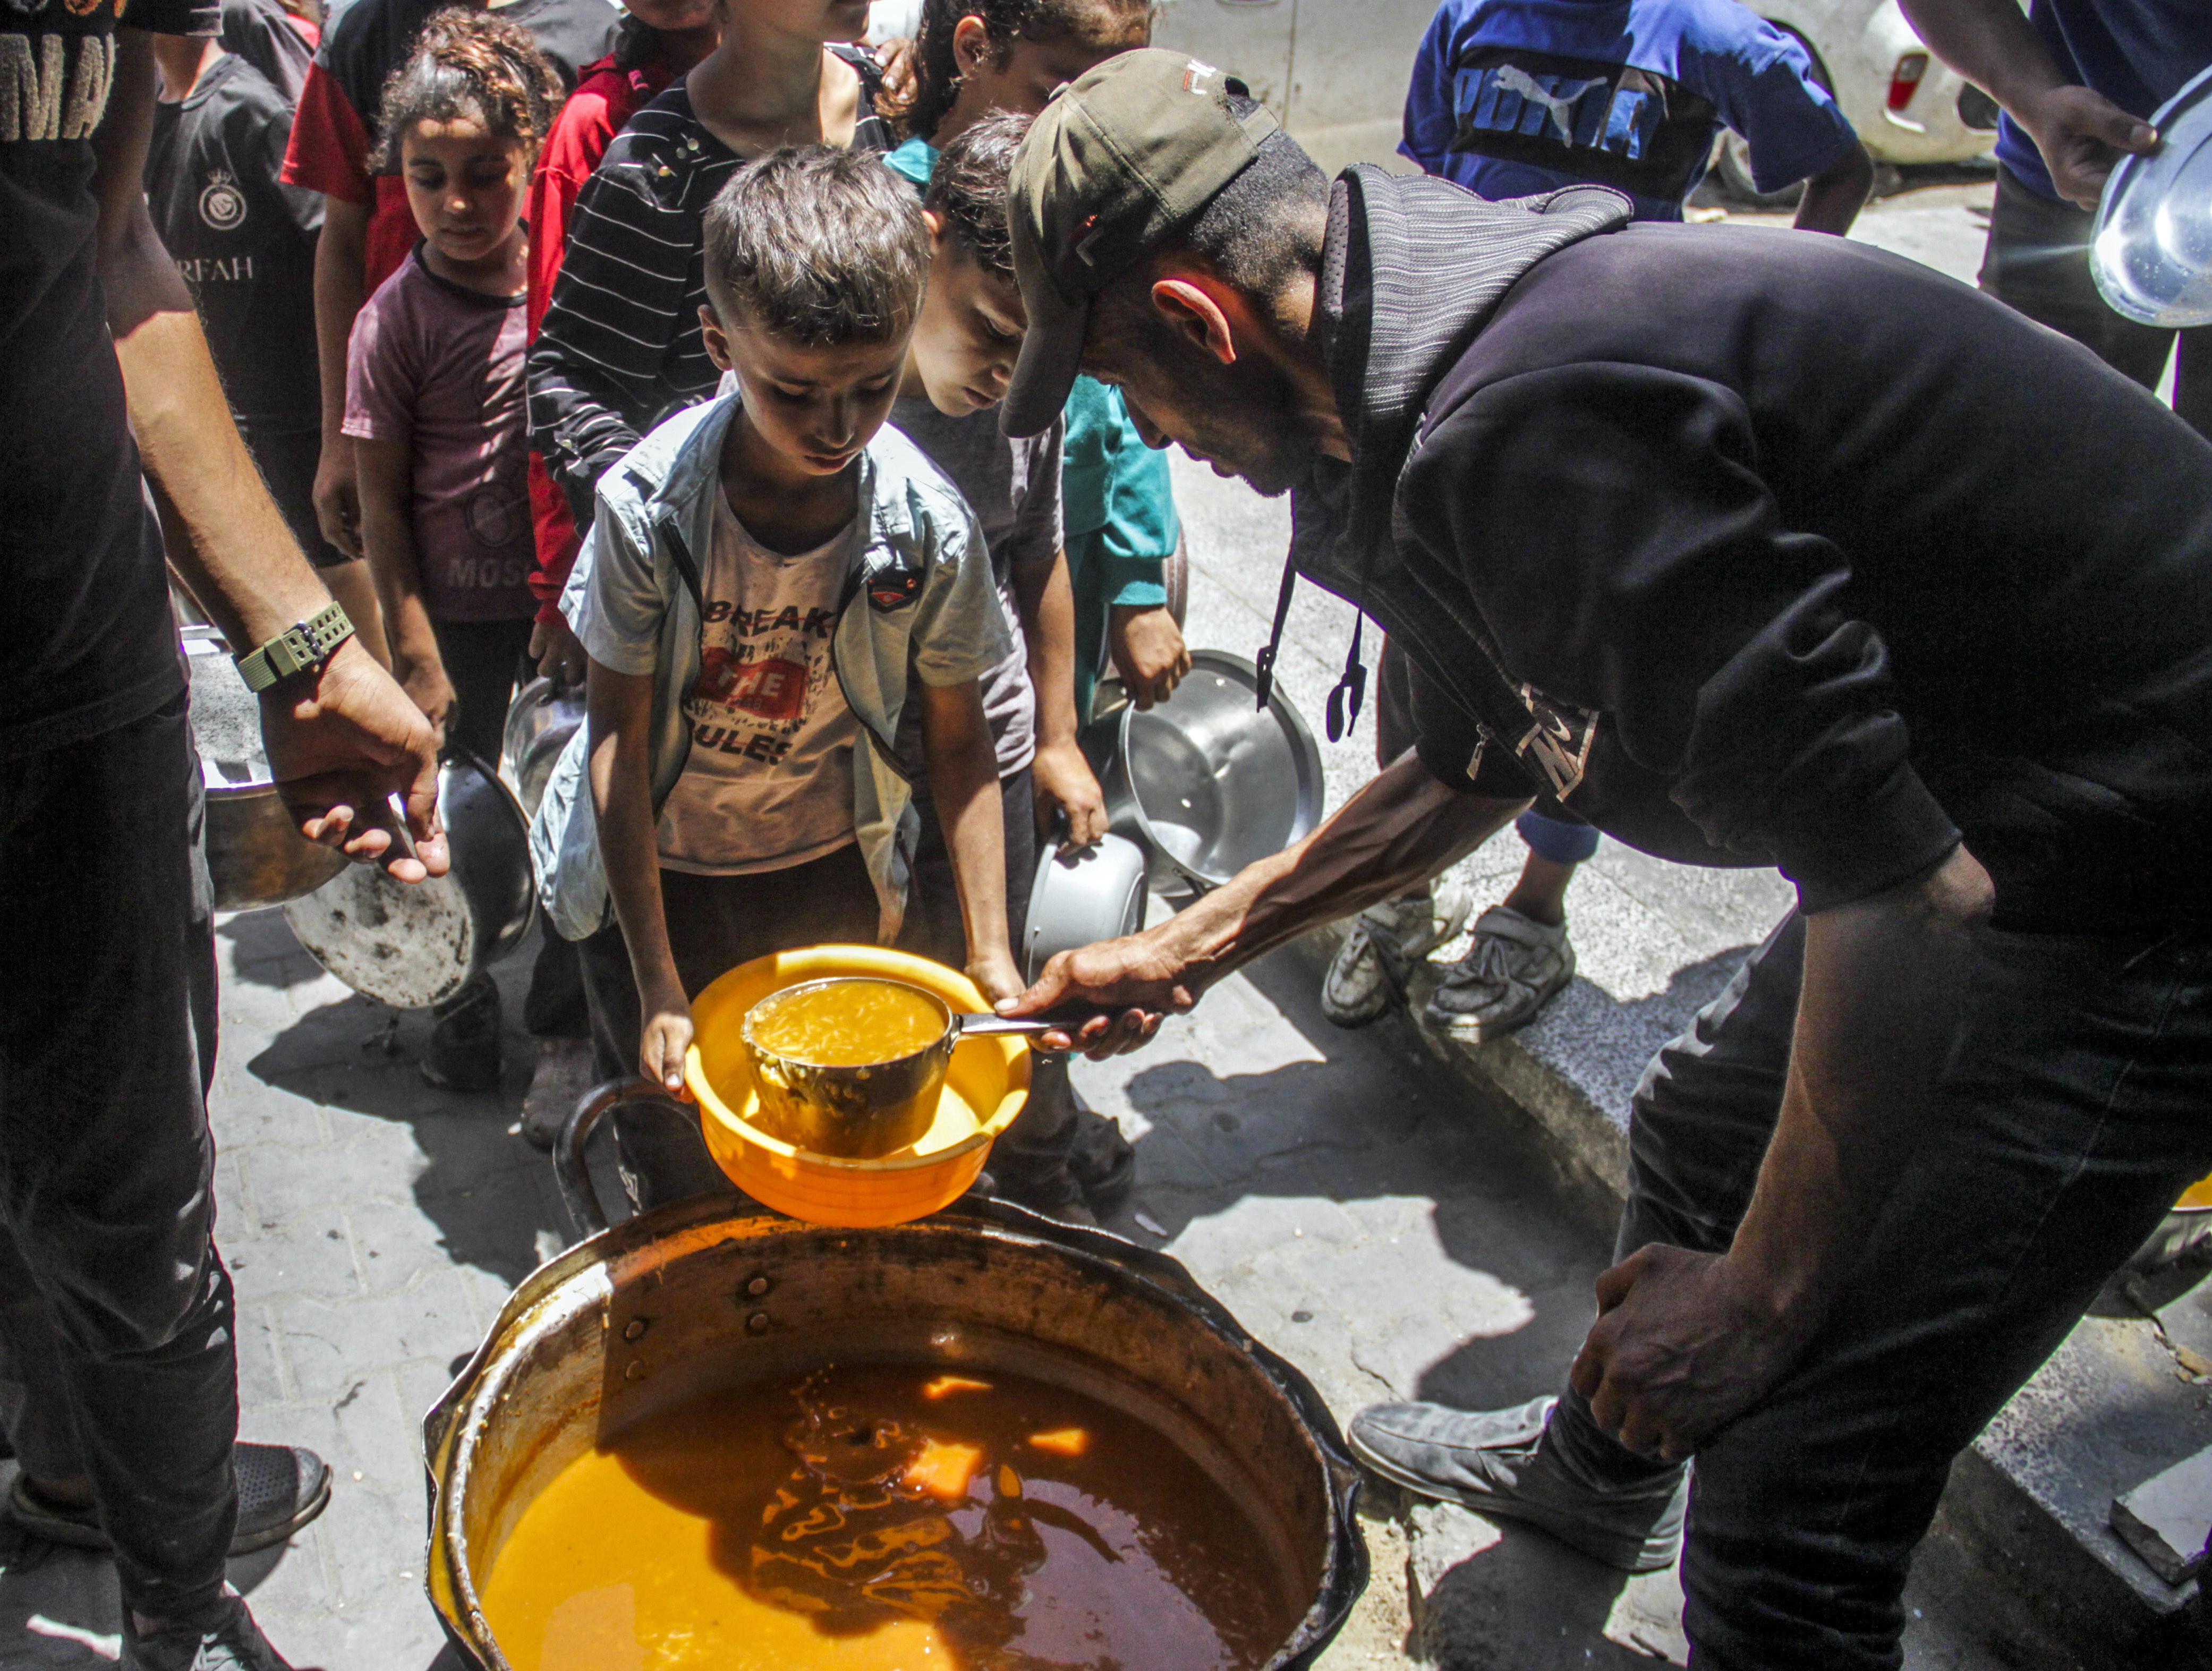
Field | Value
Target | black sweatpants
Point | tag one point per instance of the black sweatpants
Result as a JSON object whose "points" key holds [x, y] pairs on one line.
{"points": [[2071, 1113], [115, 1311]]}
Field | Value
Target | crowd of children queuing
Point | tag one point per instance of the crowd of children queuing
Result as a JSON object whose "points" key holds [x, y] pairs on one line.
{"points": [[657, 351]]}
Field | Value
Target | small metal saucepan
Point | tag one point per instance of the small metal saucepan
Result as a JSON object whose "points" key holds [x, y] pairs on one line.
{"points": [[256, 855], [862, 1112]]}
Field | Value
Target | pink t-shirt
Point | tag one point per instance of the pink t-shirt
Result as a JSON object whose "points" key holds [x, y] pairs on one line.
{"points": [[442, 367]]}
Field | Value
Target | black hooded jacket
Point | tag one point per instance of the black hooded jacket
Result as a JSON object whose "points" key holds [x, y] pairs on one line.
{"points": [[1760, 548]]}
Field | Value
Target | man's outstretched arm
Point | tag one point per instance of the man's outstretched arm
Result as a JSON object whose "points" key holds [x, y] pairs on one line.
{"points": [[2082, 135], [1397, 832], [339, 748]]}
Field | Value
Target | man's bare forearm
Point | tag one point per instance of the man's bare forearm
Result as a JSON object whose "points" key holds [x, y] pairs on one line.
{"points": [[1991, 43], [1883, 983], [1402, 828]]}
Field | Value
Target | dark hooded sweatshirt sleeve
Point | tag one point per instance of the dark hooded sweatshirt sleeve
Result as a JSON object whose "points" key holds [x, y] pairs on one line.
{"points": [[1633, 562]]}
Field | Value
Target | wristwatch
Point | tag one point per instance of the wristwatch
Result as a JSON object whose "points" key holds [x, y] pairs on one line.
{"points": [[304, 644]]}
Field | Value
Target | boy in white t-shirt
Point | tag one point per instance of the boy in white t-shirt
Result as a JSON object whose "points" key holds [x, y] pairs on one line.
{"points": [[773, 581]]}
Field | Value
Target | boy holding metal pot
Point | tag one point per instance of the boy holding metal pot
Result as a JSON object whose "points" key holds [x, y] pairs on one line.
{"points": [[773, 581]]}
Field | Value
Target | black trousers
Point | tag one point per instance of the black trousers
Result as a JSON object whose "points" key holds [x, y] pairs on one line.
{"points": [[115, 1311], [484, 663], [2037, 262], [2072, 1112]]}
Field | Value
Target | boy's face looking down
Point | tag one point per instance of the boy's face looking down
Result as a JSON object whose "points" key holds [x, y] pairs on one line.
{"points": [[811, 409], [969, 333]]}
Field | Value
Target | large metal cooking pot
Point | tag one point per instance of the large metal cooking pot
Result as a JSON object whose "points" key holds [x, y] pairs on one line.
{"points": [[542, 719], [1209, 780], [699, 1296], [413, 944], [256, 855]]}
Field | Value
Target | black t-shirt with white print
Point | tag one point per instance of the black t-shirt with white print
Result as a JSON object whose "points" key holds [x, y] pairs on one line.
{"points": [[85, 640], [243, 240]]}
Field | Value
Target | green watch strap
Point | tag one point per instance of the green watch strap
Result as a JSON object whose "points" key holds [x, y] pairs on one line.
{"points": [[306, 644]]}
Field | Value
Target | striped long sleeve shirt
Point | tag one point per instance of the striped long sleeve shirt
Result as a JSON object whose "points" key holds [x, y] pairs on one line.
{"points": [[620, 349]]}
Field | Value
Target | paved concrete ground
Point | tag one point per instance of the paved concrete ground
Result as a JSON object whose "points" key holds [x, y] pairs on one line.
{"points": [[1357, 1210]]}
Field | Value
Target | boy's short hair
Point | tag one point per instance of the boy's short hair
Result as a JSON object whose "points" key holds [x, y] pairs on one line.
{"points": [[820, 246], [968, 188]]}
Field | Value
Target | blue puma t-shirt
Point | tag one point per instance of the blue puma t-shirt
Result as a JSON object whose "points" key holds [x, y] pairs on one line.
{"points": [[1511, 97], [2138, 54]]}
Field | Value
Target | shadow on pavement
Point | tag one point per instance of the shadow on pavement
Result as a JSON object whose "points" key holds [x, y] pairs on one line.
{"points": [[489, 1193], [59, 1607]]}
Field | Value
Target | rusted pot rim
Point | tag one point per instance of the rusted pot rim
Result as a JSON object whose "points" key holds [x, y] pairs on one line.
{"points": [[446, 1445]]}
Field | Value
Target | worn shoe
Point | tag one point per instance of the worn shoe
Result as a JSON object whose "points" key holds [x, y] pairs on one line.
{"points": [[228, 1641], [1510, 972], [281, 1488], [1496, 1462], [464, 1051], [1371, 967]]}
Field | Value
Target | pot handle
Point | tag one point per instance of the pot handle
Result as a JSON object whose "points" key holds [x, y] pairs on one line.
{"points": [[570, 1165]]}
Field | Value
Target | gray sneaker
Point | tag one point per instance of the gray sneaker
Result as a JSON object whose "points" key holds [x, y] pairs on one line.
{"points": [[1496, 1462], [1369, 972], [230, 1641], [1510, 972]]}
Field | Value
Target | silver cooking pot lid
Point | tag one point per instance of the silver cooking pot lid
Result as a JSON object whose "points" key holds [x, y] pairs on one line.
{"points": [[2151, 252]]}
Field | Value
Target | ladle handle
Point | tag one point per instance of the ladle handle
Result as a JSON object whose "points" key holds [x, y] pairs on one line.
{"points": [[1065, 1019], [571, 1164], [995, 1026]]}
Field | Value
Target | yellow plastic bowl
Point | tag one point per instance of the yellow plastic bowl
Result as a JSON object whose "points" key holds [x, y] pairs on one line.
{"points": [[988, 1083]]}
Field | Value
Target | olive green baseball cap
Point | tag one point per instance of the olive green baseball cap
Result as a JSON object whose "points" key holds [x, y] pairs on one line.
{"points": [[1118, 162]]}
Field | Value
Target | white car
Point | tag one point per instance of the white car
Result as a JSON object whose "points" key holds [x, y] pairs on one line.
{"points": [[1336, 70], [1907, 104]]}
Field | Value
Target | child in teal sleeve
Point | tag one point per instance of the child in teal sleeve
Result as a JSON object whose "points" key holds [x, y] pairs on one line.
{"points": [[975, 57], [1120, 528]]}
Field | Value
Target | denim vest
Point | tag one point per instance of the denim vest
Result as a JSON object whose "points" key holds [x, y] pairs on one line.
{"points": [[922, 564]]}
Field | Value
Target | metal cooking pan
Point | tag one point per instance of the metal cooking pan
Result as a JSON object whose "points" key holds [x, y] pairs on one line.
{"points": [[1208, 781], [413, 946], [256, 855], [544, 716]]}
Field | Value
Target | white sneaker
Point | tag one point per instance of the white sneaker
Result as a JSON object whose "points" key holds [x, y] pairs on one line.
{"points": [[1386, 941], [1510, 972]]}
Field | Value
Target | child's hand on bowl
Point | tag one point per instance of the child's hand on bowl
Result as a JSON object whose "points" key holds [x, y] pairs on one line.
{"points": [[667, 1037]]}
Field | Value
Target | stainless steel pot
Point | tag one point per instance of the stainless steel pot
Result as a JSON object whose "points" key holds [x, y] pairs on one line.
{"points": [[1095, 893], [1209, 780], [256, 855], [696, 1296], [411, 945], [542, 719]]}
